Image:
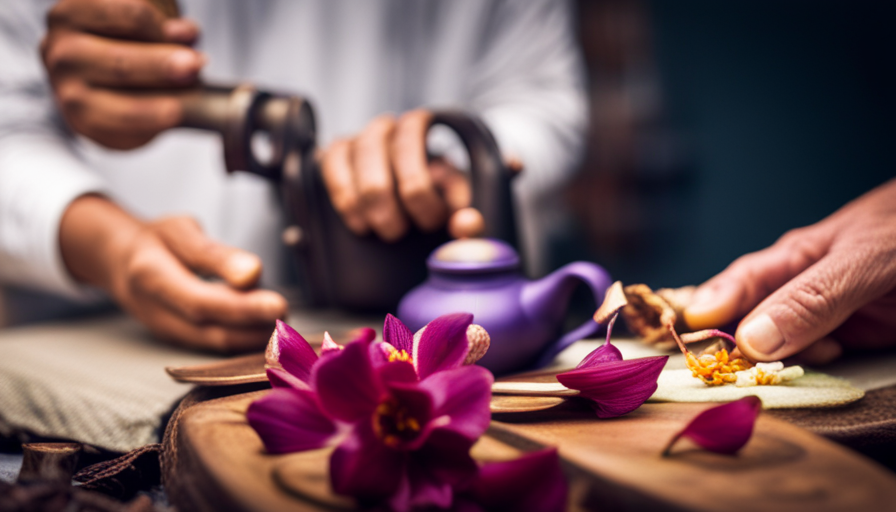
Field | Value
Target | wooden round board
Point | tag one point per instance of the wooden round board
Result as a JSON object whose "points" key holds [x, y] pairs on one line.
{"points": [[215, 461]]}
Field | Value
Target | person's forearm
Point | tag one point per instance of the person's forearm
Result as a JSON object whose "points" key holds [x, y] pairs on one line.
{"points": [[93, 234]]}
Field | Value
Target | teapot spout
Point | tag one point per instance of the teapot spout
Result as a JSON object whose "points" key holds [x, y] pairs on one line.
{"points": [[546, 300]]}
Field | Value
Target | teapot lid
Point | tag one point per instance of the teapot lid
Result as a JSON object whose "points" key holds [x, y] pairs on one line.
{"points": [[473, 256]]}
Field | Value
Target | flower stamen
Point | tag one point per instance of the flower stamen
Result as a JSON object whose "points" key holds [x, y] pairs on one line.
{"points": [[394, 424]]}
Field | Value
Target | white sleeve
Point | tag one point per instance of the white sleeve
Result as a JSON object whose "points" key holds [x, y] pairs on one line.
{"points": [[40, 171], [528, 86]]}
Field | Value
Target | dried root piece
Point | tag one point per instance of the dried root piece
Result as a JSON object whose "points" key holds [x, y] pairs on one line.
{"points": [[650, 314]]}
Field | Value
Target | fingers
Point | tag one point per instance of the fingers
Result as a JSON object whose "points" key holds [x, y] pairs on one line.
{"points": [[340, 182], [116, 119], [185, 238], [131, 19], [107, 62], [415, 185], [372, 171], [751, 278], [156, 276], [170, 326], [813, 304]]}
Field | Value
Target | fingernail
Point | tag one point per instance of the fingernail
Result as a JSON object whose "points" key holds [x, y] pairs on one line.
{"points": [[243, 267], [712, 307], [761, 334], [183, 65], [272, 305]]}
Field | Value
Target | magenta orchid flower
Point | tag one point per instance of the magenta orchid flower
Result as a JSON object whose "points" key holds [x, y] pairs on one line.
{"points": [[722, 429], [403, 414], [614, 386]]}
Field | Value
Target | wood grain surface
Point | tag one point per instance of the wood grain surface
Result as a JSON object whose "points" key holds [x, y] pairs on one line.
{"points": [[220, 464]]}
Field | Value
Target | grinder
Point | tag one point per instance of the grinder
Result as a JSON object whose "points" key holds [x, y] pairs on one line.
{"points": [[337, 267]]}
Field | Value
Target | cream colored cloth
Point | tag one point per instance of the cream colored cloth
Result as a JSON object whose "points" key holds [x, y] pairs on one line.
{"points": [[99, 381], [102, 381]]}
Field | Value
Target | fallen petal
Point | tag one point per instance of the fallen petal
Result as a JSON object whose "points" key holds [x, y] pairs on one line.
{"points": [[604, 353], [616, 387], [287, 349], [442, 344], [291, 420], [722, 429], [533, 482]]}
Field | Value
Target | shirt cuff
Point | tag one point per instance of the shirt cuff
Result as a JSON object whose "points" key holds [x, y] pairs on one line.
{"points": [[40, 176]]}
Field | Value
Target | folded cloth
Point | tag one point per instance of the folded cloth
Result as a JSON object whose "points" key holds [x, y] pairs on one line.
{"points": [[100, 381]]}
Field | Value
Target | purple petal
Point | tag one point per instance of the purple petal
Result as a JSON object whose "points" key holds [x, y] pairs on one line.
{"points": [[397, 372], [443, 344], [346, 383], [283, 379], [289, 350], [617, 387], [603, 354], [722, 429], [533, 482], [365, 468], [329, 346], [434, 471], [463, 395], [398, 334], [290, 420]]}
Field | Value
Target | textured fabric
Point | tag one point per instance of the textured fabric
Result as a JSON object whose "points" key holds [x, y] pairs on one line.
{"points": [[99, 381], [103, 381]]}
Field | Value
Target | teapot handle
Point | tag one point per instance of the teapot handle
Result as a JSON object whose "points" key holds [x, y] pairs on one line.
{"points": [[597, 279], [490, 178]]}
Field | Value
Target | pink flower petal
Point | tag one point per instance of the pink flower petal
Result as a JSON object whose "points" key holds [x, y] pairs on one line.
{"points": [[616, 387], [290, 420], [416, 403], [435, 470], [328, 346], [290, 350], [722, 429], [397, 334], [603, 354], [443, 345], [397, 372], [463, 395], [346, 383], [365, 468], [533, 482], [283, 379]]}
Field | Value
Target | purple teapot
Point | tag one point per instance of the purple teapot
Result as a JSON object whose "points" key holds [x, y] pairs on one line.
{"points": [[524, 318]]}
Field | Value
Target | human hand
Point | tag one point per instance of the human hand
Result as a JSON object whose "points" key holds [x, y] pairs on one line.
{"points": [[104, 56], [816, 290], [381, 180], [150, 270]]}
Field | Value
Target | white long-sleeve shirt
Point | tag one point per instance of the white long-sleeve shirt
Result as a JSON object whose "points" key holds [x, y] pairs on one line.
{"points": [[515, 63]]}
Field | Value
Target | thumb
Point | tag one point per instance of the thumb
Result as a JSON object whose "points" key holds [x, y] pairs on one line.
{"points": [[184, 236], [809, 306], [750, 279]]}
